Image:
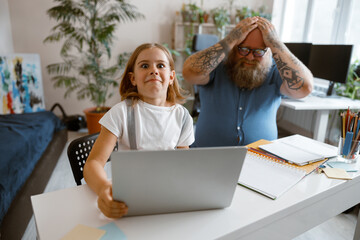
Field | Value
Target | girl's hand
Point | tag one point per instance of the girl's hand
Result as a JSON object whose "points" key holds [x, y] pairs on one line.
{"points": [[108, 206]]}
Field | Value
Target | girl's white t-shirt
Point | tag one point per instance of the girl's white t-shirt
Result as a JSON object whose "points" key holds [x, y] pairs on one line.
{"points": [[157, 128]]}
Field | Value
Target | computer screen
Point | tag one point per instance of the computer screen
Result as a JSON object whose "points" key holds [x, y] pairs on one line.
{"points": [[330, 62], [301, 51]]}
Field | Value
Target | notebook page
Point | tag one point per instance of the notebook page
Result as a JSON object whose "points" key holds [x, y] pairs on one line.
{"points": [[291, 153], [267, 177], [308, 168], [310, 145]]}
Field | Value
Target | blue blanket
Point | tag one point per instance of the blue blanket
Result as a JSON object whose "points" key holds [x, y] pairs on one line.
{"points": [[23, 139]]}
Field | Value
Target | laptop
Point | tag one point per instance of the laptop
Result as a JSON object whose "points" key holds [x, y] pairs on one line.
{"points": [[168, 181]]}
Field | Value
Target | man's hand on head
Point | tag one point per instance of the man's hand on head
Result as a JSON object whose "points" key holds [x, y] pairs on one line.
{"points": [[271, 39], [241, 30]]}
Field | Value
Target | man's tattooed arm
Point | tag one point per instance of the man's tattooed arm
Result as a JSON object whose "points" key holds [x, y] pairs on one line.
{"points": [[288, 74], [206, 61], [297, 79], [198, 66]]}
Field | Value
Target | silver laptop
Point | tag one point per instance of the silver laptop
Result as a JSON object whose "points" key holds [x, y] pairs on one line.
{"points": [[156, 182]]}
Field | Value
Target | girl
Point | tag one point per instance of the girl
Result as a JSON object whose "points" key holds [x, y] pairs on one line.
{"points": [[150, 87]]}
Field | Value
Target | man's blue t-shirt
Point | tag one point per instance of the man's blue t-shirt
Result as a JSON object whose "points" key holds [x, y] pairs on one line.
{"points": [[232, 116]]}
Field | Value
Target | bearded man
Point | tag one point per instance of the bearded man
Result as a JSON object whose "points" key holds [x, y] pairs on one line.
{"points": [[242, 79]]}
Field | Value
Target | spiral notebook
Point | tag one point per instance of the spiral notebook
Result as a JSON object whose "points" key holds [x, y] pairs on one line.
{"points": [[270, 176]]}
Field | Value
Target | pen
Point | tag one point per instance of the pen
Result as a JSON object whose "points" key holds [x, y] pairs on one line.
{"points": [[343, 125], [347, 143]]}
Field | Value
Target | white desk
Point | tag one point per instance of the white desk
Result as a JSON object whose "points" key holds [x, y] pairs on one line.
{"points": [[322, 105], [251, 216]]}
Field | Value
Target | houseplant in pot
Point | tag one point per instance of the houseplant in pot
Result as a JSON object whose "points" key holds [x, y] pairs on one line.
{"points": [[86, 28], [221, 18], [351, 88]]}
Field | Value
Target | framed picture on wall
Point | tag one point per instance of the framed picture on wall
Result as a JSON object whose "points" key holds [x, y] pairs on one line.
{"points": [[21, 89]]}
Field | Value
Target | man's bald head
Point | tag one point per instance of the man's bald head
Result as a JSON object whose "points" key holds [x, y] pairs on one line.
{"points": [[254, 40]]}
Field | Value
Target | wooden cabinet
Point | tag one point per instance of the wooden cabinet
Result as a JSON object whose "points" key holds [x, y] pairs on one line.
{"points": [[183, 32]]}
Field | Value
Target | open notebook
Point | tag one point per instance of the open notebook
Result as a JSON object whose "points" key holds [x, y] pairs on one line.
{"points": [[270, 176], [300, 150]]}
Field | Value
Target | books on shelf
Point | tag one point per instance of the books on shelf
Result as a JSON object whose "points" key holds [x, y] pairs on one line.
{"points": [[270, 175]]}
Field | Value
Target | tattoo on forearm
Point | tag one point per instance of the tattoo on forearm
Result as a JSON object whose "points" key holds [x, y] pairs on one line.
{"points": [[274, 43], [206, 61], [290, 75], [233, 36]]}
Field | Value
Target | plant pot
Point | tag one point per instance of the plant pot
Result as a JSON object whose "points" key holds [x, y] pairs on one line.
{"points": [[92, 119]]}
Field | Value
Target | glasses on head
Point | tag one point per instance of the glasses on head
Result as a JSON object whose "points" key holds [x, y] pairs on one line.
{"points": [[244, 51]]}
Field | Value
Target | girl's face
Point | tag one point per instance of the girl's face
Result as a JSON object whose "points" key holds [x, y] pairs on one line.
{"points": [[152, 76]]}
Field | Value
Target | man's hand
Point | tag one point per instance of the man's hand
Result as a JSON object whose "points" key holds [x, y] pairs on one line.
{"points": [[271, 39], [241, 30], [108, 206]]}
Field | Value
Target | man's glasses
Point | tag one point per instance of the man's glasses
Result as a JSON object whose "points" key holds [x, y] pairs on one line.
{"points": [[244, 51]]}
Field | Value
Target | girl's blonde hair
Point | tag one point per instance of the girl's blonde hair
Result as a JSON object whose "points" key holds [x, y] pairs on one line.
{"points": [[127, 90]]}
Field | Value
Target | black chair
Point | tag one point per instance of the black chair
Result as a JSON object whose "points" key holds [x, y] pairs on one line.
{"points": [[78, 152], [200, 42]]}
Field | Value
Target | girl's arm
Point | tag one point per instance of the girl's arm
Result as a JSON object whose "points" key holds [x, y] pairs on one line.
{"points": [[96, 178]]}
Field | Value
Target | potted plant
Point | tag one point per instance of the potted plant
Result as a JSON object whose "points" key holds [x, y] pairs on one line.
{"points": [[221, 18], [351, 88], [190, 12], [246, 12], [87, 28], [242, 13]]}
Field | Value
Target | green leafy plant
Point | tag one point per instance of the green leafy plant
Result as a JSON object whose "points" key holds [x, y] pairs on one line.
{"points": [[221, 18], [86, 28], [191, 12], [246, 12], [351, 88]]}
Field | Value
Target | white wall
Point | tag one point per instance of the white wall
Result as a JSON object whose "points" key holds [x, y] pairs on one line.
{"points": [[6, 44], [30, 25]]}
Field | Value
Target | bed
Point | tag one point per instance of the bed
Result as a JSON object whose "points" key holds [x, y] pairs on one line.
{"points": [[30, 146]]}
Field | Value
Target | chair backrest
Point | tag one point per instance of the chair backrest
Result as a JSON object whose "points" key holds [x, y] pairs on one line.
{"points": [[200, 42], [78, 152]]}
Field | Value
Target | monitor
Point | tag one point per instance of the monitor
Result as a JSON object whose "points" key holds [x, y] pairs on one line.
{"points": [[301, 51], [330, 62]]}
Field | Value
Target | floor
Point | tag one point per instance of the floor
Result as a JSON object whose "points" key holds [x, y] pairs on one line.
{"points": [[340, 227]]}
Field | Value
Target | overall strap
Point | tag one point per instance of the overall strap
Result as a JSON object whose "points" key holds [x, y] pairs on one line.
{"points": [[183, 125], [131, 124]]}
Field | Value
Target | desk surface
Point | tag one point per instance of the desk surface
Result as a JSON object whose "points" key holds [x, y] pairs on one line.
{"points": [[312, 201], [320, 103]]}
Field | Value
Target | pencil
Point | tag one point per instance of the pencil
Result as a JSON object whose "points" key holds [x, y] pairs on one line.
{"points": [[355, 125], [343, 125], [355, 143], [347, 119]]}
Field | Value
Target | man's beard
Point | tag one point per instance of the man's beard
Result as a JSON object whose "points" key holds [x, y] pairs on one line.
{"points": [[248, 77]]}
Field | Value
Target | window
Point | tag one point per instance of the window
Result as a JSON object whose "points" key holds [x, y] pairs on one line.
{"points": [[353, 32], [319, 21]]}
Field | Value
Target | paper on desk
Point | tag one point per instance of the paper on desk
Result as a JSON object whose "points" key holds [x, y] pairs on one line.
{"points": [[337, 173], [82, 232], [346, 166], [112, 232]]}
